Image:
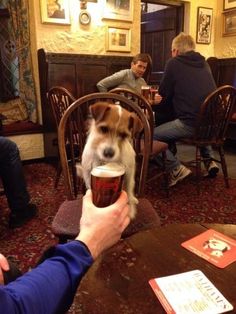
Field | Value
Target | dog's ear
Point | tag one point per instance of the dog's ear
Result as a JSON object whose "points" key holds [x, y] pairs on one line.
{"points": [[135, 124], [99, 109]]}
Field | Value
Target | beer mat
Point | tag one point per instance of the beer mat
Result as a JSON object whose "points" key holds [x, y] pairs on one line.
{"points": [[214, 247], [189, 293]]}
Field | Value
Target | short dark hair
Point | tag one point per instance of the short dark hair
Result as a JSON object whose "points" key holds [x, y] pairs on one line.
{"points": [[144, 57]]}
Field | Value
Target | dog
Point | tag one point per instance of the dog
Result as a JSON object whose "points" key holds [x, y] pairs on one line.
{"points": [[110, 140]]}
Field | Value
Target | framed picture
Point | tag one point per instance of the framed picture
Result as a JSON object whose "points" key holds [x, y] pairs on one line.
{"points": [[204, 25], [229, 23], [118, 39], [55, 11], [118, 10], [229, 4]]}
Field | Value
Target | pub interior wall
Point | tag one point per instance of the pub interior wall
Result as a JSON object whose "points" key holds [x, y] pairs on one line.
{"points": [[91, 39]]}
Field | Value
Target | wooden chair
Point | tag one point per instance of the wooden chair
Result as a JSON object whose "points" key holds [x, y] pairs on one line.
{"points": [[157, 147], [211, 126], [65, 224], [59, 99]]}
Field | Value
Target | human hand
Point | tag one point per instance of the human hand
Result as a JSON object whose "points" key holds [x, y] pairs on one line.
{"points": [[100, 228], [4, 266], [157, 99]]}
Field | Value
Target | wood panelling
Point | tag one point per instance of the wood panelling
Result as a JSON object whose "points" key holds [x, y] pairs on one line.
{"points": [[79, 73]]}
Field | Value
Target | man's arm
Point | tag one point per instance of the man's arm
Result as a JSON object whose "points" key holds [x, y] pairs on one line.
{"points": [[51, 286], [166, 87], [111, 81]]}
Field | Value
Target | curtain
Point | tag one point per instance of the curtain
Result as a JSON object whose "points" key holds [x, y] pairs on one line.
{"points": [[19, 15]]}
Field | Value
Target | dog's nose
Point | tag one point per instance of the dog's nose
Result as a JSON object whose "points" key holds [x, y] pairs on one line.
{"points": [[108, 152]]}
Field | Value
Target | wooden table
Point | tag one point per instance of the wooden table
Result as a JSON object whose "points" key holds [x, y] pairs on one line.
{"points": [[118, 281]]}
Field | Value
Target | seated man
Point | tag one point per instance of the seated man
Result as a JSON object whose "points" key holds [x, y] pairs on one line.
{"points": [[129, 78], [186, 82], [14, 184]]}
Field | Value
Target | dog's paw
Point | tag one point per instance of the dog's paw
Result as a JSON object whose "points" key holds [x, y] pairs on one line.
{"points": [[133, 200], [133, 210], [79, 170]]}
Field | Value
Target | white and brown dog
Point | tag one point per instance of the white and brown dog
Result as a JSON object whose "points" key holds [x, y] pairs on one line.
{"points": [[109, 140]]}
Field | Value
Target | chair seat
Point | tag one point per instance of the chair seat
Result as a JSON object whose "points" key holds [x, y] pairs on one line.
{"points": [[69, 213], [67, 218], [145, 219]]}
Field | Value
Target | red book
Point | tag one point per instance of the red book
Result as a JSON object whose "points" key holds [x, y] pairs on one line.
{"points": [[214, 247]]}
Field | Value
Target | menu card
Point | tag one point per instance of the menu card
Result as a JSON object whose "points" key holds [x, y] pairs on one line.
{"points": [[189, 293], [214, 247]]}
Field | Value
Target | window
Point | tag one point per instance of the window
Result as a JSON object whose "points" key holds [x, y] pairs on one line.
{"points": [[9, 65]]}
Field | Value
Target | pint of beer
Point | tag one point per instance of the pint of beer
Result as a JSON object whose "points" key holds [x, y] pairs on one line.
{"points": [[106, 183], [145, 91]]}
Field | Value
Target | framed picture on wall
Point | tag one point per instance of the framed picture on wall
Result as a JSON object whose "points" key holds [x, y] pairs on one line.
{"points": [[118, 10], [118, 39], [229, 4], [55, 11], [204, 25], [229, 23]]}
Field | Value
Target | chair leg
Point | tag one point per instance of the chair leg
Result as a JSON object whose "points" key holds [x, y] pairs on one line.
{"points": [[224, 166], [198, 169], [166, 174]]}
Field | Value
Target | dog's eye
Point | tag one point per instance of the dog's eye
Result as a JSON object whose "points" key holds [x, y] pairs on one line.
{"points": [[104, 129], [123, 135]]}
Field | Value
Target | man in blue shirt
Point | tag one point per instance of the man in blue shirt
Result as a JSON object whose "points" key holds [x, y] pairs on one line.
{"points": [[51, 286]]}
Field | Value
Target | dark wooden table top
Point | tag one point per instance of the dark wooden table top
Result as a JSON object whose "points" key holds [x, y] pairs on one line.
{"points": [[118, 280]]}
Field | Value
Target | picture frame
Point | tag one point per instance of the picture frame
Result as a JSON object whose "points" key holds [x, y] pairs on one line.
{"points": [[229, 4], [204, 25], [118, 39], [229, 23], [118, 10], [55, 12]]}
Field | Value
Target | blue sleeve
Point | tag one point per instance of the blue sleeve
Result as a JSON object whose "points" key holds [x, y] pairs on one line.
{"points": [[50, 287]]}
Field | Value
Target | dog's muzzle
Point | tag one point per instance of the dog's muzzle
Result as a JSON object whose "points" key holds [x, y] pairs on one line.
{"points": [[108, 152]]}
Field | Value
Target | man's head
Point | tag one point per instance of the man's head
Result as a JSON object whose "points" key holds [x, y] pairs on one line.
{"points": [[139, 64], [182, 44]]}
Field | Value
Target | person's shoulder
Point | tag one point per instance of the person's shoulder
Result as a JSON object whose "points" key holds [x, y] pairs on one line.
{"points": [[122, 72], [125, 71], [172, 61]]}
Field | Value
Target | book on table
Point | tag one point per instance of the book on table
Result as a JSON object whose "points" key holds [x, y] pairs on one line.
{"points": [[213, 246], [189, 293]]}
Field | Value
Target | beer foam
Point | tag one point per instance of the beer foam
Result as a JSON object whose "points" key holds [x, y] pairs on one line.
{"points": [[108, 170]]}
